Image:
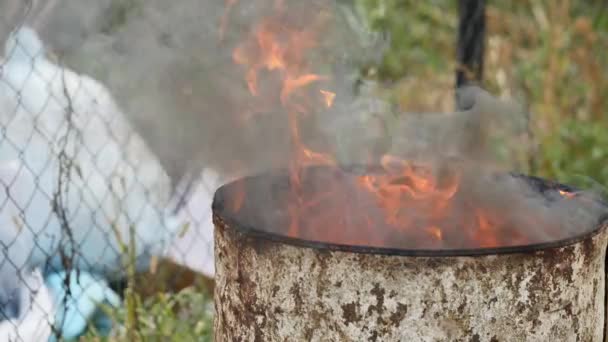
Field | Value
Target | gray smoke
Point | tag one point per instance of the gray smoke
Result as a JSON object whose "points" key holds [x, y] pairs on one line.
{"points": [[178, 83], [176, 80]]}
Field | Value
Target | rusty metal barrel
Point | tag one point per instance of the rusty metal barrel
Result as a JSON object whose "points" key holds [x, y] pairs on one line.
{"points": [[271, 287]]}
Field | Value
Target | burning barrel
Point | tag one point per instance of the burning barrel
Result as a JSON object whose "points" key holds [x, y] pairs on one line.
{"points": [[355, 255]]}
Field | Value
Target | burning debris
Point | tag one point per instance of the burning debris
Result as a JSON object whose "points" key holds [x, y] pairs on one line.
{"points": [[409, 206]]}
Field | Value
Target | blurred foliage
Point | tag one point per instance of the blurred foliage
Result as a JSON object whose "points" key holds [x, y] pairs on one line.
{"points": [[418, 30], [578, 151], [549, 55], [183, 316], [168, 303]]}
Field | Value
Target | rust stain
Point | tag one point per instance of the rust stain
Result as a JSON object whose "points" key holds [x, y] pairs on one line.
{"points": [[350, 313], [297, 296], [377, 291], [398, 315]]}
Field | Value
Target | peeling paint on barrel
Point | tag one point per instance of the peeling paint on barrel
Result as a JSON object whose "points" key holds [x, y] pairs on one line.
{"points": [[271, 291]]}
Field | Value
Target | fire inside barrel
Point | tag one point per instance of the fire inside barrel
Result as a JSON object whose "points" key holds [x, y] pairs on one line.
{"points": [[440, 206], [432, 203]]}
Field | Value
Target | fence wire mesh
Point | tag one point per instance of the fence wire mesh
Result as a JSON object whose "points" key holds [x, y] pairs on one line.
{"points": [[85, 203]]}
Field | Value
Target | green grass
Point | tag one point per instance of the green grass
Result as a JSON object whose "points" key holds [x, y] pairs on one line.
{"points": [[548, 54], [183, 316], [170, 303]]}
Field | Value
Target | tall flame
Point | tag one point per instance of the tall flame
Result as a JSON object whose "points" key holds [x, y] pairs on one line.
{"points": [[276, 47], [411, 196]]}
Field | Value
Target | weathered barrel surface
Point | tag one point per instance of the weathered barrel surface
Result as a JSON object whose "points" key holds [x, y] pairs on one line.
{"points": [[269, 290]]}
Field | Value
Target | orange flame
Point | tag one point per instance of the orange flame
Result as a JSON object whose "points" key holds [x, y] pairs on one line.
{"points": [[403, 182], [275, 46], [485, 235], [329, 97], [567, 194], [277, 49], [436, 232]]}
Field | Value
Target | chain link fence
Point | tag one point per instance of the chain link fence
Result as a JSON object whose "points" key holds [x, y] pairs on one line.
{"points": [[85, 202]]}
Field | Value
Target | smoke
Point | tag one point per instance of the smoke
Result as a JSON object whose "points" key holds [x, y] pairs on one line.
{"points": [[177, 80], [171, 67], [479, 131], [487, 210]]}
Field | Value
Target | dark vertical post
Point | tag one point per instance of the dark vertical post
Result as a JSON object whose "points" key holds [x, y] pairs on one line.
{"points": [[471, 41]]}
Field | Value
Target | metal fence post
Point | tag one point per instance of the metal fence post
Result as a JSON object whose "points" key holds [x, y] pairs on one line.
{"points": [[471, 41]]}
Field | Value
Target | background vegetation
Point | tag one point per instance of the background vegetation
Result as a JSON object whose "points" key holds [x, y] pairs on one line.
{"points": [[551, 55]]}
